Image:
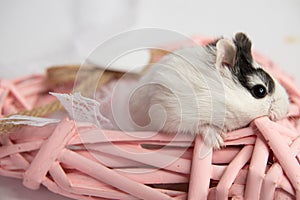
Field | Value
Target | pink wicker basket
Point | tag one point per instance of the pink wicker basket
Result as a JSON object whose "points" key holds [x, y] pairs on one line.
{"points": [[81, 161]]}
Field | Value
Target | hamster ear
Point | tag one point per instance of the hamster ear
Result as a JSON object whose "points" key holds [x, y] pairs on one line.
{"points": [[243, 42], [226, 52], [243, 45]]}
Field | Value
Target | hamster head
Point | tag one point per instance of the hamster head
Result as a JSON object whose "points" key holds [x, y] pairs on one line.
{"points": [[250, 91]]}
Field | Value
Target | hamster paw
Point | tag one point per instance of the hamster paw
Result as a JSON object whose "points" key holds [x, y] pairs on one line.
{"points": [[212, 136]]}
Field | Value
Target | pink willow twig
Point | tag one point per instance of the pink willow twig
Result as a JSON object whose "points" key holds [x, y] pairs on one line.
{"points": [[200, 171]]}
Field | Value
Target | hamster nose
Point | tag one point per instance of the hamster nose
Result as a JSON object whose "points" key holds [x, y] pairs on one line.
{"points": [[278, 110], [273, 116]]}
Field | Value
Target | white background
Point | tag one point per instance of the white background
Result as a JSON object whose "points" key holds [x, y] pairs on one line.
{"points": [[36, 34]]}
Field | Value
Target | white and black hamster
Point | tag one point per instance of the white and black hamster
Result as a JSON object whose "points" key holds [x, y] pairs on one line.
{"points": [[207, 90]]}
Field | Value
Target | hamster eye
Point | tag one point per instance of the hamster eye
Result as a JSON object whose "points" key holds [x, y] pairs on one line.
{"points": [[259, 91]]}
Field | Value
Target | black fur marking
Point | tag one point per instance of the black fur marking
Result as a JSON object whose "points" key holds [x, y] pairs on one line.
{"points": [[243, 68]]}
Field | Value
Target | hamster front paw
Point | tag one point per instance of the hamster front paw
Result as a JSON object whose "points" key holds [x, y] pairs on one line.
{"points": [[212, 136]]}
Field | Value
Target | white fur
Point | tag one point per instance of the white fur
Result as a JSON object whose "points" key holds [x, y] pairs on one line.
{"points": [[191, 96]]}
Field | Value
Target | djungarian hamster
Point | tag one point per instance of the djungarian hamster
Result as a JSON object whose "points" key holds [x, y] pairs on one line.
{"points": [[207, 90]]}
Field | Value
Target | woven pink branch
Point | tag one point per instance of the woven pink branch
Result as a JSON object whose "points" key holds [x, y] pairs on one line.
{"points": [[84, 162]]}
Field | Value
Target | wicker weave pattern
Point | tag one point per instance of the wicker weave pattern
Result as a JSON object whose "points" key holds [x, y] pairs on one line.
{"points": [[81, 162]]}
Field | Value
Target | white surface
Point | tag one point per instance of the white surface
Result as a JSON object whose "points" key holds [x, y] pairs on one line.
{"points": [[133, 61], [35, 34], [13, 189]]}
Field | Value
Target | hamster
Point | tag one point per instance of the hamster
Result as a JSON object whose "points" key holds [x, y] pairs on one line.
{"points": [[207, 90]]}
